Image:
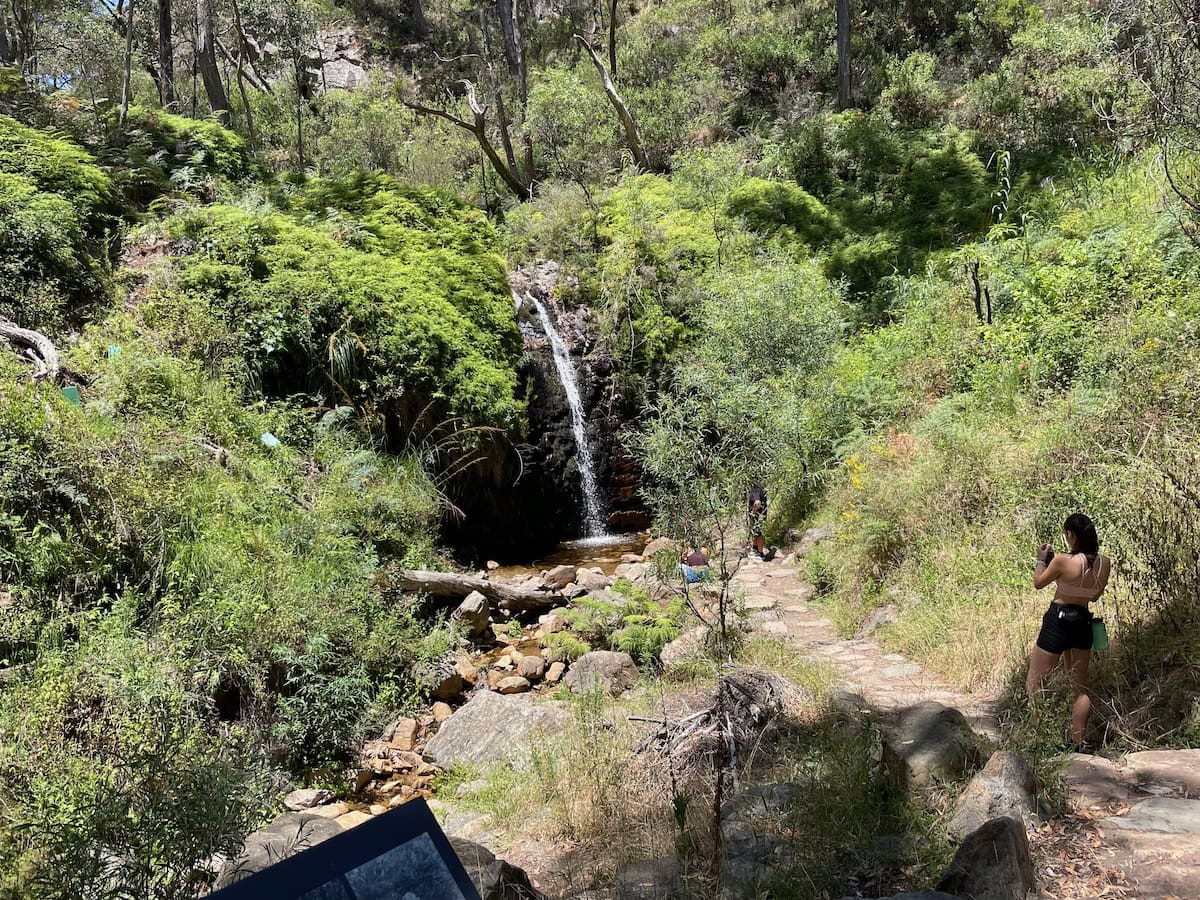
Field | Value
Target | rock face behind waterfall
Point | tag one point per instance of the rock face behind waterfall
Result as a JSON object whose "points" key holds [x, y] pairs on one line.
{"points": [[519, 506]]}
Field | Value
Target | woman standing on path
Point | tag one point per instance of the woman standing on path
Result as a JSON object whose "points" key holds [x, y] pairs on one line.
{"points": [[1080, 577]]}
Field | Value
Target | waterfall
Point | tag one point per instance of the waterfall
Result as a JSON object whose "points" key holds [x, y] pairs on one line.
{"points": [[593, 505]]}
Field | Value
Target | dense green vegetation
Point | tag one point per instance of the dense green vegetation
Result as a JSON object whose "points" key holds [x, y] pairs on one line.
{"points": [[941, 319]]}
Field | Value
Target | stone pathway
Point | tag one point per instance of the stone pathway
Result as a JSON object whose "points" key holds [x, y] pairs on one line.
{"points": [[777, 599]]}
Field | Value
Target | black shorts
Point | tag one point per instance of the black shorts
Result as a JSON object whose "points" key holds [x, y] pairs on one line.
{"points": [[1065, 627]]}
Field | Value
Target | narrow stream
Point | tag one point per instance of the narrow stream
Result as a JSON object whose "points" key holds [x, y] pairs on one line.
{"points": [[593, 519]]}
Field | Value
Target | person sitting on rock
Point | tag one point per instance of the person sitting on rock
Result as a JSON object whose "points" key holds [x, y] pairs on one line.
{"points": [[694, 563], [1080, 577]]}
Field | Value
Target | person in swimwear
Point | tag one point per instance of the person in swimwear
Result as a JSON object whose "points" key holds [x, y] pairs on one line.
{"points": [[1080, 577]]}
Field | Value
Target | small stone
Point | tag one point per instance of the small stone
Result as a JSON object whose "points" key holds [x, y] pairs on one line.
{"points": [[573, 591], [378, 809], [555, 672], [475, 613], [353, 819], [592, 580], [449, 688], [331, 810], [558, 578], [466, 670], [492, 565], [631, 557], [531, 667], [513, 684], [306, 798], [494, 677], [441, 712], [399, 799], [404, 734]]}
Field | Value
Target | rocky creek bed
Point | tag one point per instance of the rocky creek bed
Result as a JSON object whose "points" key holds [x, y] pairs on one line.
{"points": [[1129, 827]]}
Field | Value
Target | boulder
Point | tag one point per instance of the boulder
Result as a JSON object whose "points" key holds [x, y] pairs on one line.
{"points": [[992, 863], [558, 578], [1157, 846], [449, 687], [930, 743], [475, 613], [687, 645], [658, 545], [306, 798], [513, 684], [876, 619], [631, 557], [592, 580], [554, 621], [286, 836], [653, 878], [493, 727], [402, 734], [555, 672], [1006, 786], [754, 837], [811, 538], [610, 670], [441, 712], [531, 667], [494, 878], [573, 591], [466, 670], [353, 819]]}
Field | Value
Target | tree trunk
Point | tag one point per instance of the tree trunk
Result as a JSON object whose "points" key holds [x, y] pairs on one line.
{"points": [[241, 78], [514, 53], [8, 50], [127, 76], [420, 25], [523, 189], [632, 137], [206, 61], [612, 38], [299, 115], [166, 56], [845, 99], [455, 587]]}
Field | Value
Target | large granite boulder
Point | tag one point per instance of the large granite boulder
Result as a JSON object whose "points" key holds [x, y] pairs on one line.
{"points": [[493, 727], [612, 671], [930, 744], [992, 863], [1006, 786], [286, 836], [494, 878]]}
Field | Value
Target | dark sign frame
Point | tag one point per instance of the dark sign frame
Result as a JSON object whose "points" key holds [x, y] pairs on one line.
{"points": [[340, 868]]}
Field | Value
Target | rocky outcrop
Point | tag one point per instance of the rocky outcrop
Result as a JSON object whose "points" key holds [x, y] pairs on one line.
{"points": [[611, 671], [493, 728], [1006, 786], [1157, 845], [289, 834], [992, 863], [494, 878]]}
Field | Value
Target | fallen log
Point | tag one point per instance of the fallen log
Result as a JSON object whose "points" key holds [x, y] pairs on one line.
{"points": [[38, 348], [450, 585]]}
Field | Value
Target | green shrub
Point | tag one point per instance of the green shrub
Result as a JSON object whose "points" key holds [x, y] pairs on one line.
{"points": [[913, 95], [775, 208]]}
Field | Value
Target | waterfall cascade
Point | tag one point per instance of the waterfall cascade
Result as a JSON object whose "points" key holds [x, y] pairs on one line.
{"points": [[593, 504]]}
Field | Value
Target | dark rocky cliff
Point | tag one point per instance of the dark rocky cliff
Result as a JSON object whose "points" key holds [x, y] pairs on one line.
{"points": [[527, 497]]}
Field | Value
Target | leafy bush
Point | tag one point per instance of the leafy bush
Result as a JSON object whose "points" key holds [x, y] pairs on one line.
{"points": [[912, 94], [776, 208]]}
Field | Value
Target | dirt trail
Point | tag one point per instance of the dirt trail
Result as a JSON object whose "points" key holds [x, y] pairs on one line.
{"points": [[777, 598]]}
